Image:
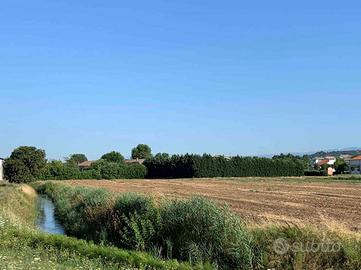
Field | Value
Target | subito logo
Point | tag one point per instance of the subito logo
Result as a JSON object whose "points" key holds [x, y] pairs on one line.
{"points": [[280, 246]]}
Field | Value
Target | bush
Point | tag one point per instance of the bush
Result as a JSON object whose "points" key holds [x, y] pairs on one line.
{"points": [[187, 166]]}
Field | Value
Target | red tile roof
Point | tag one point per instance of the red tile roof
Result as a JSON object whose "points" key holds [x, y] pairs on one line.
{"points": [[323, 162], [357, 158]]}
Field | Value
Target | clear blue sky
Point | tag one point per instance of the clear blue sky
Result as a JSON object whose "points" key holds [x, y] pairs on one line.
{"points": [[223, 77]]}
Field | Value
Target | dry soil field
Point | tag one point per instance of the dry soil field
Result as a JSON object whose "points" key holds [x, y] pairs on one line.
{"points": [[322, 204]]}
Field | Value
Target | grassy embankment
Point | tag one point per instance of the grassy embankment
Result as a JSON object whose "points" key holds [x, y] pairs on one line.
{"points": [[24, 247], [198, 231]]}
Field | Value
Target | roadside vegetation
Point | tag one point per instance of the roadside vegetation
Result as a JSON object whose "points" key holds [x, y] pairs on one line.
{"points": [[24, 247], [197, 231]]}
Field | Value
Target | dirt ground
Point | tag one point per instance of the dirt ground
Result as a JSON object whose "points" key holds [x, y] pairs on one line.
{"points": [[335, 205]]}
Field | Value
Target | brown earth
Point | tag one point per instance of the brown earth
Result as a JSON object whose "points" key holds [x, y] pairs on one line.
{"points": [[336, 205]]}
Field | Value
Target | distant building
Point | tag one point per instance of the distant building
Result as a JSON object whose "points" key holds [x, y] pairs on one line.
{"points": [[320, 161], [354, 164], [330, 161], [330, 171], [85, 165], [346, 157], [1, 169], [134, 161]]}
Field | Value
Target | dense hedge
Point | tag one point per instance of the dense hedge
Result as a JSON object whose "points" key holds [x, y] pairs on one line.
{"points": [[187, 166], [57, 170], [194, 230]]}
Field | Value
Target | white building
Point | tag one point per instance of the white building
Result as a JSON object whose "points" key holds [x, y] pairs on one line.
{"points": [[319, 161], [355, 164], [1, 169]]}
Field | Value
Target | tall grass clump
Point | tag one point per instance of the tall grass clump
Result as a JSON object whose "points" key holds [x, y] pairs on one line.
{"points": [[197, 230], [280, 247]]}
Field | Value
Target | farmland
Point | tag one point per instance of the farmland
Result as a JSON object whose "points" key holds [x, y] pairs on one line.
{"points": [[316, 202]]}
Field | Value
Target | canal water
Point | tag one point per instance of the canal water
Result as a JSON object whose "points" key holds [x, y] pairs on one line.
{"points": [[46, 220]]}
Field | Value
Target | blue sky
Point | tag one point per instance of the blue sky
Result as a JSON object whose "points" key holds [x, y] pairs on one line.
{"points": [[222, 77]]}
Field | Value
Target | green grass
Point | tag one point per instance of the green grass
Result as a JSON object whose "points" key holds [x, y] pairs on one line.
{"points": [[24, 247]]}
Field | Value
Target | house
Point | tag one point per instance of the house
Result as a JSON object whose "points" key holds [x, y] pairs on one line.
{"points": [[320, 161], [134, 161], [1, 169], [330, 161], [85, 165], [355, 164], [346, 157]]}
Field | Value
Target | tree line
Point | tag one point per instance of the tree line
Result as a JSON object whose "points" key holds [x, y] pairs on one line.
{"points": [[27, 164], [186, 166]]}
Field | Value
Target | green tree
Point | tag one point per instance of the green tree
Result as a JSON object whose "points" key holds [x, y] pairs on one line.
{"points": [[142, 151], [305, 160], [77, 158], [25, 164], [162, 156], [113, 157], [340, 166]]}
